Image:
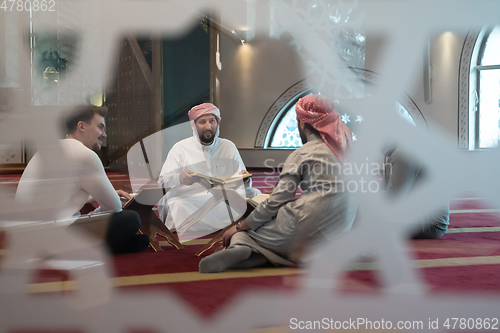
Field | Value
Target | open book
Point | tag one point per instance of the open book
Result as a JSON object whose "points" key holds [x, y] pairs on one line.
{"points": [[125, 201], [147, 195], [222, 179], [255, 201]]}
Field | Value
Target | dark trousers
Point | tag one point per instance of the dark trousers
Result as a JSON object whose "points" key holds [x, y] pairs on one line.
{"points": [[435, 226], [429, 232], [122, 237]]}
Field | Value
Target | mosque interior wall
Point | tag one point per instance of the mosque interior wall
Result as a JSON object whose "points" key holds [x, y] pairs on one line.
{"points": [[250, 90]]}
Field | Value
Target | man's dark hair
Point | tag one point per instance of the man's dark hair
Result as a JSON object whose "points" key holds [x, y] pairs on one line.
{"points": [[83, 113]]}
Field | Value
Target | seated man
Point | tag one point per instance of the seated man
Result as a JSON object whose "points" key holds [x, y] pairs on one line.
{"points": [[401, 174], [203, 153], [280, 225], [67, 180]]}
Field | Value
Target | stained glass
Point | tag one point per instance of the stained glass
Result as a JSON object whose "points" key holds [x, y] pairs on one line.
{"points": [[287, 134]]}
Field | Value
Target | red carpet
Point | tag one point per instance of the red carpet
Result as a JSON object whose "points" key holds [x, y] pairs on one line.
{"points": [[464, 279], [210, 297], [457, 245], [474, 220], [449, 261], [170, 260]]}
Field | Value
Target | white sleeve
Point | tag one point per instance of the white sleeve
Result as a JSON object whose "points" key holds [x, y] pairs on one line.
{"points": [[95, 182], [169, 175]]}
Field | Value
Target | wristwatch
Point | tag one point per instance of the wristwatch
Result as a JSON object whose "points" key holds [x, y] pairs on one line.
{"points": [[238, 226]]}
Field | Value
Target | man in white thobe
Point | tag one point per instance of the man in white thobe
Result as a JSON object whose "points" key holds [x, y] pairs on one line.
{"points": [[203, 153]]}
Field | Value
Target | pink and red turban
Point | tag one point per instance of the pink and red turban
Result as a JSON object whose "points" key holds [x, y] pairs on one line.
{"points": [[318, 111], [203, 109]]}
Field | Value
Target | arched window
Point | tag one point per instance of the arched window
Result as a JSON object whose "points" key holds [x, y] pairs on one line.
{"points": [[484, 110], [278, 129], [283, 132], [286, 133]]}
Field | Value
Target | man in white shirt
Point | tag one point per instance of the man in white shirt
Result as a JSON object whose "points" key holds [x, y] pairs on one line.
{"points": [[203, 153], [57, 183]]}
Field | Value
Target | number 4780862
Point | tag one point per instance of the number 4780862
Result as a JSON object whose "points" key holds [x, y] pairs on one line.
{"points": [[28, 5]]}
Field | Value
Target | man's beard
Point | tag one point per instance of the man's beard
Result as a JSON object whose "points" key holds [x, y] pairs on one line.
{"points": [[303, 136], [205, 140]]}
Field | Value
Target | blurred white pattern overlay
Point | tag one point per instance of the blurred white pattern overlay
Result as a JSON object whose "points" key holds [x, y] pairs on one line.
{"points": [[382, 227]]}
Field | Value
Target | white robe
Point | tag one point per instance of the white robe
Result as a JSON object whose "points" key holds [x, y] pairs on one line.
{"points": [[221, 158]]}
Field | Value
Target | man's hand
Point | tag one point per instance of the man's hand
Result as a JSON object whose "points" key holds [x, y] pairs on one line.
{"points": [[244, 172], [226, 238], [186, 178], [123, 194]]}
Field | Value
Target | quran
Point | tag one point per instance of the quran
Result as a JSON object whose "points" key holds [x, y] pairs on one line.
{"points": [[222, 179], [257, 200], [125, 201], [148, 194]]}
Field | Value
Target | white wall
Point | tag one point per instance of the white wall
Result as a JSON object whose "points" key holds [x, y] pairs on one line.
{"points": [[446, 47], [256, 75]]}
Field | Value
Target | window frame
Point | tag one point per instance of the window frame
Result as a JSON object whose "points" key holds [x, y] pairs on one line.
{"points": [[476, 87]]}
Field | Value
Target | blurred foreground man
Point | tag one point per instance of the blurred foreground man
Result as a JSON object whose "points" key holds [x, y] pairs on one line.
{"points": [[281, 225], [204, 153], [63, 185], [401, 175]]}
